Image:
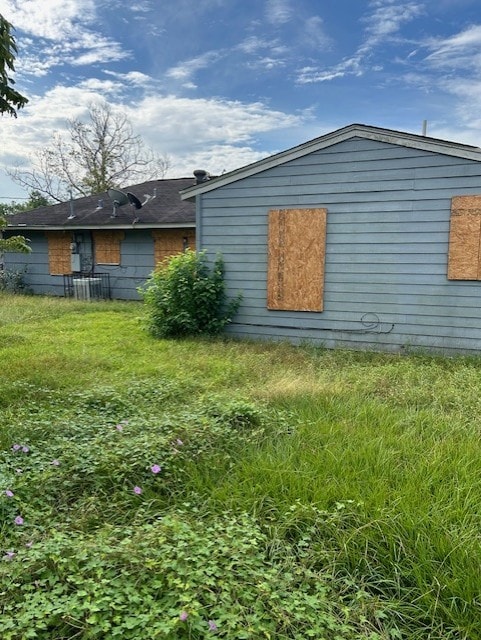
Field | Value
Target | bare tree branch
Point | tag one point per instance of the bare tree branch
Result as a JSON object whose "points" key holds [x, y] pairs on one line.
{"points": [[92, 157]]}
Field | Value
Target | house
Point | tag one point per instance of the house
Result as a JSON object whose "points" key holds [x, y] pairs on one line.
{"points": [[361, 238], [104, 245]]}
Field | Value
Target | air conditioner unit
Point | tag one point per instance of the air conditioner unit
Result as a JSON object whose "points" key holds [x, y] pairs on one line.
{"points": [[87, 288]]}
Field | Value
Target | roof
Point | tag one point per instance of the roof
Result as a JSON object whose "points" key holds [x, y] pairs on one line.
{"points": [[390, 136], [164, 209]]}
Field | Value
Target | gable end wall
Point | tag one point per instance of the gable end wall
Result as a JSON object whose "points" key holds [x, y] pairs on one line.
{"points": [[388, 212]]}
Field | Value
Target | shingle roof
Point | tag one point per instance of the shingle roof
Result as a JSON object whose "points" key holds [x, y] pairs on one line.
{"points": [[166, 209]]}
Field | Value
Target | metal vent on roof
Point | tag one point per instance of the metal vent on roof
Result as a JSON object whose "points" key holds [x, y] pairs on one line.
{"points": [[201, 176]]}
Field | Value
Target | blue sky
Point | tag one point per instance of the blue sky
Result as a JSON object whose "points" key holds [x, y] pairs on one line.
{"points": [[217, 84]]}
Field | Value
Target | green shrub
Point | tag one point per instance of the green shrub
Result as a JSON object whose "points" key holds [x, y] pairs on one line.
{"points": [[186, 297], [13, 281]]}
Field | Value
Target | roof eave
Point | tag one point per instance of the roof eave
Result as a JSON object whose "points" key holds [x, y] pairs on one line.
{"points": [[412, 141], [53, 227]]}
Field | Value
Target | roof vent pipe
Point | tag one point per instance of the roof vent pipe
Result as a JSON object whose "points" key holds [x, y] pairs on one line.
{"points": [[425, 127], [200, 176], [71, 215]]}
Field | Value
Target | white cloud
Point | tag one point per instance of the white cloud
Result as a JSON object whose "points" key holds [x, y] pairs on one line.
{"points": [[186, 69], [316, 34], [216, 159], [267, 63], [387, 19], [102, 50], [61, 32], [141, 7], [135, 78], [308, 75], [383, 23], [253, 44], [279, 12], [49, 19], [187, 124], [460, 51], [104, 87], [214, 133]]}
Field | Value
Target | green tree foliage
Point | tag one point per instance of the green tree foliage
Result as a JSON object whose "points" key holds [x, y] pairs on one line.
{"points": [[36, 200], [10, 99], [18, 244], [186, 297]]}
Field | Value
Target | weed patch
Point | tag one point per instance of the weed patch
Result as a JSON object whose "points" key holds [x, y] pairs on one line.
{"points": [[207, 487]]}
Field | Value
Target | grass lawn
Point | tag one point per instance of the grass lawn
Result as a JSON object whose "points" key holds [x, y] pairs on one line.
{"points": [[214, 488]]}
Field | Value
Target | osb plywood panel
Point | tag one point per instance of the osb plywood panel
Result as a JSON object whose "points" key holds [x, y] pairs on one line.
{"points": [[107, 246], [470, 205], [465, 238], [59, 253], [296, 256], [170, 242]]}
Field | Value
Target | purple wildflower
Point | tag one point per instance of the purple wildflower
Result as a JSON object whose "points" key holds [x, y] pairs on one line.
{"points": [[183, 616], [16, 447], [179, 442], [29, 544], [55, 462], [18, 470], [9, 555], [25, 449], [18, 520], [137, 490], [155, 468], [9, 493], [212, 626], [120, 427]]}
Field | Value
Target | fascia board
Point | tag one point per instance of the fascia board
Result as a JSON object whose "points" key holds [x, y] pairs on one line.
{"points": [[173, 225], [405, 140]]}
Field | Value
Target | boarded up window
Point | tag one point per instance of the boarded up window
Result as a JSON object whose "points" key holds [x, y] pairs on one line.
{"points": [[107, 246], [464, 261], [297, 240], [170, 242], [59, 253]]}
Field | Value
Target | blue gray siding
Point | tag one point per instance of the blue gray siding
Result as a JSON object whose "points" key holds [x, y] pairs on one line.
{"points": [[386, 251], [137, 263], [35, 266]]}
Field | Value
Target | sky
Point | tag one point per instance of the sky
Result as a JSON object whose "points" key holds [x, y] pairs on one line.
{"points": [[218, 84]]}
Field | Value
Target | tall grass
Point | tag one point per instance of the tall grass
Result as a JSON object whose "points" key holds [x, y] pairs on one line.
{"points": [[370, 462]]}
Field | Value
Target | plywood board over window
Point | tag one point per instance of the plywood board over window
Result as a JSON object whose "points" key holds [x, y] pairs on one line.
{"points": [[107, 246], [464, 259], [59, 253], [170, 242], [296, 256]]}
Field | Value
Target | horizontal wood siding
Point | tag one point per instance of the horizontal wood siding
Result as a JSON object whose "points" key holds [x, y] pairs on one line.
{"points": [[386, 282], [136, 265], [35, 266]]}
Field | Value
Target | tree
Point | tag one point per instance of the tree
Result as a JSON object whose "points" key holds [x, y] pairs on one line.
{"points": [[18, 244], [10, 99], [36, 200], [91, 157]]}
